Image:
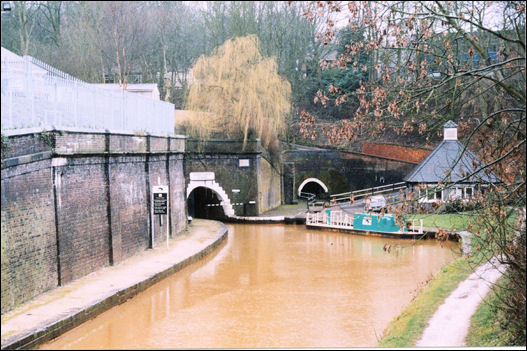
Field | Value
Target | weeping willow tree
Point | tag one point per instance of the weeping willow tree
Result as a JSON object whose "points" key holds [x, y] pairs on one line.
{"points": [[237, 93]]}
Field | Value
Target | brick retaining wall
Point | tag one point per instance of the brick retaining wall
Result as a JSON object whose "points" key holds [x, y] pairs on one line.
{"points": [[399, 152], [29, 248], [74, 202], [342, 171]]}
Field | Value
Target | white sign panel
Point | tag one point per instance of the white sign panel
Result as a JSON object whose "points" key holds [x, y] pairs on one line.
{"points": [[201, 175], [243, 162], [366, 221]]}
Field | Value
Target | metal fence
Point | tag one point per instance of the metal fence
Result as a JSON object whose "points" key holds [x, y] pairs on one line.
{"points": [[357, 194], [35, 94]]}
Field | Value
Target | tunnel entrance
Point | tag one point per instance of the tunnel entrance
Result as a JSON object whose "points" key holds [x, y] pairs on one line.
{"points": [[314, 188], [204, 203]]}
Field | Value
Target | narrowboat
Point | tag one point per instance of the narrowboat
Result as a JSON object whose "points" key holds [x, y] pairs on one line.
{"points": [[365, 222]]}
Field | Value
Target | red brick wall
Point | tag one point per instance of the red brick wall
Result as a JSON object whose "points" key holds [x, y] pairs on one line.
{"points": [[398, 152]]}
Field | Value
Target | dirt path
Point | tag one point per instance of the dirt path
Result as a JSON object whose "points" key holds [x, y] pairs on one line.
{"points": [[450, 323]]}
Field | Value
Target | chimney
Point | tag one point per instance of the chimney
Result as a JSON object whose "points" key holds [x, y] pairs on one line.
{"points": [[450, 131]]}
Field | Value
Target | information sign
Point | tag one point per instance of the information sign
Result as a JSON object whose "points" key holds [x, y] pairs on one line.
{"points": [[160, 203], [159, 206]]}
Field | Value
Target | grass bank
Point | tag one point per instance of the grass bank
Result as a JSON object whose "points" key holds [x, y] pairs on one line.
{"points": [[458, 221], [485, 329], [406, 329]]}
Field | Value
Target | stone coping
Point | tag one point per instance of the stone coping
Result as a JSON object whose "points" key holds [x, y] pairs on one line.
{"points": [[64, 308], [50, 128], [40, 156]]}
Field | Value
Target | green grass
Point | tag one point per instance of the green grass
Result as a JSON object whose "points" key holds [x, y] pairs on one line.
{"points": [[406, 329], [485, 330], [459, 221]]}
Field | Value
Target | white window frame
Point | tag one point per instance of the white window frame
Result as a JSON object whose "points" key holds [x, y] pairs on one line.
{"points": [[431, 194], [458, 192], [461, 193], [465, 196]]}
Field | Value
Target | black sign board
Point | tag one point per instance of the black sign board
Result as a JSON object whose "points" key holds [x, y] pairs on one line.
{"points": [[160, 203]]}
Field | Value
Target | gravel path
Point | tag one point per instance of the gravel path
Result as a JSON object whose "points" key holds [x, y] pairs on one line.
{"points": [[450, 323]]}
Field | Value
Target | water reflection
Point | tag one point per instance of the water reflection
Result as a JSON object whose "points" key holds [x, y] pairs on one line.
{"points": [[272, 286]]}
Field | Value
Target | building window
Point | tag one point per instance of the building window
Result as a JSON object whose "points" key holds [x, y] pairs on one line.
{"points": [[108, 78], [429, 194], [422, 193], [135, 78], [462, 193]]}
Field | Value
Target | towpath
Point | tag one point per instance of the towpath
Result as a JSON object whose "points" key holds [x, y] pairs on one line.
{"points": [[59, 310], [449, 325]]}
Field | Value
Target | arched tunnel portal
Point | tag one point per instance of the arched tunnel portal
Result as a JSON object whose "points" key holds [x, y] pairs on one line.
{"points": [[203, 202], [313, 186]]}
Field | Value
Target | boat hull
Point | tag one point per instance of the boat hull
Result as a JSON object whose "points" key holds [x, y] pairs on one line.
{"points": [[399, 234], [363, 223]]}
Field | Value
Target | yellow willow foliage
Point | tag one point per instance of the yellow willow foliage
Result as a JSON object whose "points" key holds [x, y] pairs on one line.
{"points": [[237, 90]]}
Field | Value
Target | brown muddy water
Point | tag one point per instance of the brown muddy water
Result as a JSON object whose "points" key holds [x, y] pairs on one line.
{"points": [[272, 286]]}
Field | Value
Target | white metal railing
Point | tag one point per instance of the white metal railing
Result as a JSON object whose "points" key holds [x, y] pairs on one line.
{"points": [[357, 194], [342, 220], [35, 94], [337, 219]]}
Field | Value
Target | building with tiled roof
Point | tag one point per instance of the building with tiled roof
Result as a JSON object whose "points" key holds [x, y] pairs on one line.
{"points": [[452, 165]]}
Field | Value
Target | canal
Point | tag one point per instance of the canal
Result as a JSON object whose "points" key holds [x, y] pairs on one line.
{"points": [[270, 286]]}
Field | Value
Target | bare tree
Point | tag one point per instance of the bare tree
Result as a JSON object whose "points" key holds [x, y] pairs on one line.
{"points": [[22, 24], [51, 25], [436, 61]]}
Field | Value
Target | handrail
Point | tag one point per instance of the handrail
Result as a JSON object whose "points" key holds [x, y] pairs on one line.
{"points": [[310, 198], [307, 196], [369, 191]]}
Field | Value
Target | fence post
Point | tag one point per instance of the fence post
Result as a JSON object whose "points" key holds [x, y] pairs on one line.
{"points": [[123, 100], [11, 124], [75, 102], [28, 84]]}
